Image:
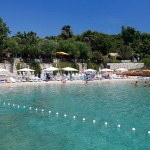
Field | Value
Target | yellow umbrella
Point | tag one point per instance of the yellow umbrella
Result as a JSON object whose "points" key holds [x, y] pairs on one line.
{"points": [[62, 53]]}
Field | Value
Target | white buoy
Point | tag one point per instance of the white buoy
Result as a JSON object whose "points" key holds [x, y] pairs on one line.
{"points": [[13, 104], [42, 110], [18, 106], [36, 109], [118, 125], [94, 121], [83, 119], [106, 123], [8, 104], [148, 132], [49, 112], [74, 117], [133, 129], [65, 115], [57, 113], [24, 106], [30, 108]]}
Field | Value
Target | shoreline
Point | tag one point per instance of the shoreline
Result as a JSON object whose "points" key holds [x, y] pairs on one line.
{"points": [[60, 83]]}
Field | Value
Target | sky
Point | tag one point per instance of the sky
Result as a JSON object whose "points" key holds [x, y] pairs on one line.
{"points": [[47, 17]]}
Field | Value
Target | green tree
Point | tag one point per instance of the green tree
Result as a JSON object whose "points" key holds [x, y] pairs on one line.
{"points": [[66, 32], [97, 41], [4, 31], [48, 47], [13, 46], [125, 52], [85, 50], [97, 57], [145, 44], [75, 49], [129, 35], [28, 44]]}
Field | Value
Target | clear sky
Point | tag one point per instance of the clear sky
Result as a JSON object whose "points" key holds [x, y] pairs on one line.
{"points": [[47, 17]]}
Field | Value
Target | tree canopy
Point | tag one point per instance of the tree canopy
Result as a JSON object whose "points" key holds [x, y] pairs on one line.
{"points": [[90, 45]]}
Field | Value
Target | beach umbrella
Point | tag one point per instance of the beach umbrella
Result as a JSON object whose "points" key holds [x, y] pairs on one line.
{"points": [[26, 70], [62, 53], [69, 69], [106, 70], [3, 70], [89, 70], [121, 69], [51, 69]]}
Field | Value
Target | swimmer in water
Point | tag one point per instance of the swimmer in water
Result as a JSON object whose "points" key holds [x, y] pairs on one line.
{"points": [[146, 84], [136, 83]]}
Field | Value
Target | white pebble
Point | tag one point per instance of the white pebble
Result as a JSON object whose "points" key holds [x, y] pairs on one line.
{"points": [[133, 129], [74, 117], [57, 113], [65, 115], [42, 110], [49, 112], [148, 132], [18, 106], [13, 104], [8, 104], [30, 108], [36, 109], [83, 119], [24, 106]]}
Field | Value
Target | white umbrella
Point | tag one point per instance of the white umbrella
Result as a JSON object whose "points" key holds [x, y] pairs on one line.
{"points": [[51, 69], [89, 70], [69, 69], [3, 70], [106, 70], [26, 70], [121, 69]]}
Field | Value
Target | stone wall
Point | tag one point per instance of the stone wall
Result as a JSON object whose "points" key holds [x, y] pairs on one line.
{"points": [[13, 68], [114, 66]]}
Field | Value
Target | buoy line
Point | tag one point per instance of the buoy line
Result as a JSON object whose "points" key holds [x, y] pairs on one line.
{"points": [[64, 115]]}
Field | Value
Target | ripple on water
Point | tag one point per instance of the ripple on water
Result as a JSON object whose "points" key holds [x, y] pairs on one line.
{"points": [[116, 103]]}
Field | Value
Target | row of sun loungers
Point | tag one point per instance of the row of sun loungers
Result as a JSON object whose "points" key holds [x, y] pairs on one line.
{"points": [[17, 80], [66, 77]]}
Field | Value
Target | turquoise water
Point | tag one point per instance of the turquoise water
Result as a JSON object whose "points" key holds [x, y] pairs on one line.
{"points": [[114, 103]]}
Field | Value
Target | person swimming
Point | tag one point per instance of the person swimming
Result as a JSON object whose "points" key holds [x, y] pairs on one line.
{"points": [[135, 84], [146, 84]]}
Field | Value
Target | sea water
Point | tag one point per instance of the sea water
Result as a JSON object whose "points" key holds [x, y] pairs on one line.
{"points": [[50, 117]]}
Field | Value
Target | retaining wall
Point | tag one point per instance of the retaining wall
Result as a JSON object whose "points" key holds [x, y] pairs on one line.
{"points": [[114, 66]]}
